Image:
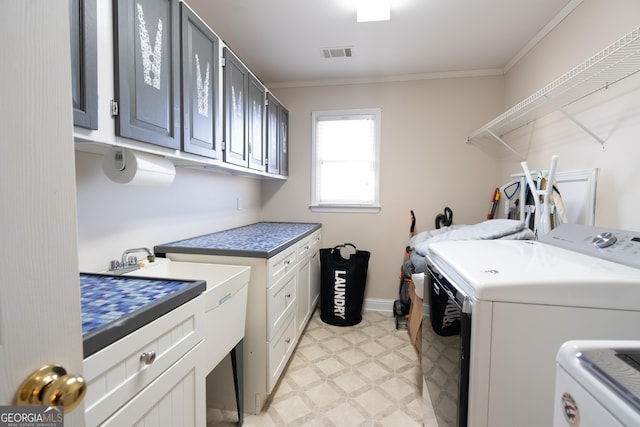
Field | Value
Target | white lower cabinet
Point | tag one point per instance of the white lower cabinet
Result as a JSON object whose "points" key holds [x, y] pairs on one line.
{"points": [[122, 388], [283, 291]]}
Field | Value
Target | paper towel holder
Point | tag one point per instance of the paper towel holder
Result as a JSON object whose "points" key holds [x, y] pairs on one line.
{"points": [[118, 159], [125, 166]]}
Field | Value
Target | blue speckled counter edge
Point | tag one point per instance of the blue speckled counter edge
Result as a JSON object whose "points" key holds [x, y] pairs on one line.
{"points": [[108, 316], [259, 240]]}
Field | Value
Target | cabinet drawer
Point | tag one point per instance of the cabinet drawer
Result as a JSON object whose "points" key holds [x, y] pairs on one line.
{"points": [[280, 302], [308, 245], [304, 248], [281, 264], [116, 373], [280, 349], [316, 241], [175, 398]]}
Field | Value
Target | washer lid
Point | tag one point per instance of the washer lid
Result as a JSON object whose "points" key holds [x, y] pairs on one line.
{"points": [[533, 272]]}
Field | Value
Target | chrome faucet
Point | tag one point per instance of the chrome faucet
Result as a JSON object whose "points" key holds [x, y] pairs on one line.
{"points": [[128, 262]]}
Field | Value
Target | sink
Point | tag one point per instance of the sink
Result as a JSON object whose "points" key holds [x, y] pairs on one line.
{"points": [[225, 300], [223, 281]]}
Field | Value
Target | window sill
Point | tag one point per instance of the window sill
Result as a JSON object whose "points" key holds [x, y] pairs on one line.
{"points": [[345, 208]]}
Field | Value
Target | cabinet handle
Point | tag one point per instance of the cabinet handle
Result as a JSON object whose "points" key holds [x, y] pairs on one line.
{"points": [[287, 341], [287, 295], [148, 357]]}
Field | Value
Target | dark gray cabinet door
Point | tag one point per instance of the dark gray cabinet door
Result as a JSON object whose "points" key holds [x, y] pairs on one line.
{"points": [[147, 74], [84, 63], [284, 141], [277, 137], [236, 80], [256, 124], [199, 85], [273, 135]]}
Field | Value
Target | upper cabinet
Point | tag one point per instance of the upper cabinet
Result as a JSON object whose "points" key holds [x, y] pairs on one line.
{"points": [[200, 48], [168, 85], [236, 86], [84, 59], [256, 124], [277, 137], [147, 71]]}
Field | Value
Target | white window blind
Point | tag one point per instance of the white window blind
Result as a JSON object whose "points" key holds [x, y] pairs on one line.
{"points": [[345, 159]]}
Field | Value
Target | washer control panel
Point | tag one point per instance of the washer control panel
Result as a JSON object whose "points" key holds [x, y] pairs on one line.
{"points": [[613, 245], [604, 240]]}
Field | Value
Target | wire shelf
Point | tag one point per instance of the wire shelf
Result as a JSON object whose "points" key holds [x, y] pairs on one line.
{"points": [[612, 64]]}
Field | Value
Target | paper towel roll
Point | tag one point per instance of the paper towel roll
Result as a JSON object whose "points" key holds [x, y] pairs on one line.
{"points": [[126, 166]]}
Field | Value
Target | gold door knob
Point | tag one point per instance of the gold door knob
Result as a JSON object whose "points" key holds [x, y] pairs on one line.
{"points": [[51, 386]]}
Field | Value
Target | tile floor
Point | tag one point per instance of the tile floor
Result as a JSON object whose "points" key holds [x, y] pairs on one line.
{"points": [[362, 375]]}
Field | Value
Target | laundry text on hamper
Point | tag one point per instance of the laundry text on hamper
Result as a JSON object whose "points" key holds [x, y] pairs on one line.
{"points": [[338, 296]]}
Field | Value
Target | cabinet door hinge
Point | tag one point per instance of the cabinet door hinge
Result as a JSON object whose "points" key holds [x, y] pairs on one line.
{"points": [[223, 62], [223, 145], [114, 108]]}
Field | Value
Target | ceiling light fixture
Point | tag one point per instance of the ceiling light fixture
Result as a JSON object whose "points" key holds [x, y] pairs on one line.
{"points": [[373, 10]]}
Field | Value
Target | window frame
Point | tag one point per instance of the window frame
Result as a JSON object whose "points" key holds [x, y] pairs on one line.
{"points": [[372, 207]]}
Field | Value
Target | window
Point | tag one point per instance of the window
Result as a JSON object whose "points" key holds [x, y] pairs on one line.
{"points": [[345, 160]]}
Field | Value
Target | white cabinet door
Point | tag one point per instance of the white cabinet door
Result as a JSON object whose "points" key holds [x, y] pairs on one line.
{"points": [[175, 398], [304, 303], [314, 278]]}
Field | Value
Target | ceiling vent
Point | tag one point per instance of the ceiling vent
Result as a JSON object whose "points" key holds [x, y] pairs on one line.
{"points": [[337, 52]]}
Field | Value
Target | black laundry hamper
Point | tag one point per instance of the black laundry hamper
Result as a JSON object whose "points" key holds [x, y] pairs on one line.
{"points": [[342, 283]]}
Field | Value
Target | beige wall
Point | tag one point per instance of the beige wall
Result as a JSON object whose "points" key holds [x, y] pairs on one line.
{"points": [[613, 114], [114, 217], [425, 164]]}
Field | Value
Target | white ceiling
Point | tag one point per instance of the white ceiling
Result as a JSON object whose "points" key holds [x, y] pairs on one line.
{"points": [[280, 40]]}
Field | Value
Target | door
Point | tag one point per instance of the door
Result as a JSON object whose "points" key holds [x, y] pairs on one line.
{"points": [[284, 141], [147, 75], [273, 135], [199, 85], [84, 63], [236, 80], [39, 292], [304, 284], [256, 127]]}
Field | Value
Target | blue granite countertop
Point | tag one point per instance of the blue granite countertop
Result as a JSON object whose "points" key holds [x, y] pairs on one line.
{"points": [[114, 306], [260, 240]]}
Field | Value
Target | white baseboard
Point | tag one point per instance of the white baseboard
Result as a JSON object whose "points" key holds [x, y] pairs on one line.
{"points": [[378, 304], [384, 305]]}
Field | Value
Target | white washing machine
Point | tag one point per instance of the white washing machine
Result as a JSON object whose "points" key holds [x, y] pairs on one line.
{"points": [[598, 384], [519, 301]]}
